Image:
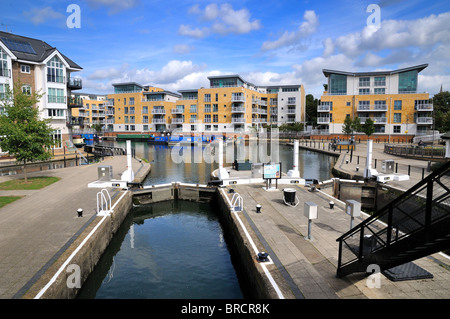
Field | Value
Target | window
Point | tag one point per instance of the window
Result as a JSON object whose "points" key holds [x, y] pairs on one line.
{"points": [[397, 117], [380, 81], [124, 101], [132, 128], [364, 81], [397, 128], [132, 119], [55, 113], [145, 119], [215, 118], [4, 71], [289, 90], [126, 119], [207, 98], [3, 89], [364, 91], [207, 108], [217, 97], [127, 127], [379, 90], [291, 100], [131, 101], [24, 68], [208, 127], [207, 118], [57, 138], [193, 108], [145, 128], [55, 71], [56, 95], [131, 109], [338, 84], [215, 108], [145, 110], [364, 105], [397, 105], [407, 82], [26, 89]]}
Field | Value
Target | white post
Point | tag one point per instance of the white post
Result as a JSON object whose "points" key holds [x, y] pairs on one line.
{"points": [[128, 175], [369, 172], [223, 174], [294, 172]]}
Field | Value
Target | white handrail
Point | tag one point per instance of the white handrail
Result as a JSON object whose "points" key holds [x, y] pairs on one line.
{"points": [[237, 199], [103, 202]]}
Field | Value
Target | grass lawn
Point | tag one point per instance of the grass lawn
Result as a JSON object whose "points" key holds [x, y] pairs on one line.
{"points": [[32, 183], [5, 200]]}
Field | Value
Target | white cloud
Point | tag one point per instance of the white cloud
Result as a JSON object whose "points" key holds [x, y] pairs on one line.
{"points": [[307, 28], [39, 16], [225, 20], [395, 34], [171, 75]]}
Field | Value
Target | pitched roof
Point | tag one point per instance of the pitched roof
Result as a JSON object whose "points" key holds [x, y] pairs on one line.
{"points": [[30, 49]]}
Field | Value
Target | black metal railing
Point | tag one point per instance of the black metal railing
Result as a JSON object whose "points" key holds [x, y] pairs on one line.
{"points": [[416, 211]]}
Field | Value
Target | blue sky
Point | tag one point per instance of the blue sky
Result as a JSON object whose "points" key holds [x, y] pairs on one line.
{"points": [[176, 44]]}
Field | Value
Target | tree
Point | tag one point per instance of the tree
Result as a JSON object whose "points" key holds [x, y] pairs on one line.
{"points": [[23, 134], [368, 127], [347, 128], [311, 109], [441, 107]]}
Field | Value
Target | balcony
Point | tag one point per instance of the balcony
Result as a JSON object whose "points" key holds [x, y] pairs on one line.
{"points": [[323, 120], [323, 108], [376, 120], [372, 108], [158, 111], [237, 120], [177, 121], [238, 109], [237, 98], [291, 111], [75, 102], [177, 111], [159, 121], [291, 102], [424, 120], [75, 84], [109, 102], [424, 107]]}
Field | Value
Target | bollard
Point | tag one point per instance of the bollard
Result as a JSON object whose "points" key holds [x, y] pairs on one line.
{"points": [[258, 208], [80, 212], [331, 204]]}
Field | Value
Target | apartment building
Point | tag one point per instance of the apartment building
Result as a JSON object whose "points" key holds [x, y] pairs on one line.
{"points": [[390, 98], [229, 105], [39, 67], [89, 113]]}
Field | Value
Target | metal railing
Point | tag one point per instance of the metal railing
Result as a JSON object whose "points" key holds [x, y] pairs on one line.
{"points": [[416, 210]]}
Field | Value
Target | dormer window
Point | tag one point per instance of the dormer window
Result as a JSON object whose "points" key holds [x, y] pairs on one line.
{"points": [[55, 70]]}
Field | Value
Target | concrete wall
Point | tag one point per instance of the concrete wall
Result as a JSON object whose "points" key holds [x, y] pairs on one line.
{"points": [[87, 256]]}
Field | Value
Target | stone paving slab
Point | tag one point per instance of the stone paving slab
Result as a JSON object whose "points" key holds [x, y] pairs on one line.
{"points": [[312, 264], [36, 227]]}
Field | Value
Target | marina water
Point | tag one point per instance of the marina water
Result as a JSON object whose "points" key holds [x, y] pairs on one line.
{"points": [[177, 249]]}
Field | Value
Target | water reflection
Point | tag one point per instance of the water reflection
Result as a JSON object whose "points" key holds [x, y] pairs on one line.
{"points": [[195, 167]]}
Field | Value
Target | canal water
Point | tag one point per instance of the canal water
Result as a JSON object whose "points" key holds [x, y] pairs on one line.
{"points": [[177, 249]]}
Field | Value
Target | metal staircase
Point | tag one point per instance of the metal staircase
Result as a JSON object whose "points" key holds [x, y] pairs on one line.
{"points": [[414, 225]]}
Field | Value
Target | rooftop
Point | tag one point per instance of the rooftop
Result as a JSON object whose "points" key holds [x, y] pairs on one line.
{"points": [[419, 68]]}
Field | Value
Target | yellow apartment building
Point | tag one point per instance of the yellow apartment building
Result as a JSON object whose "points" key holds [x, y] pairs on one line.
{"points": [[390, 98], [229, 105]]}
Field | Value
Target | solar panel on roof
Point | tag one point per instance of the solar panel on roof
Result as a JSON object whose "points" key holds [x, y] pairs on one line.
{"points": [[16, 45]]}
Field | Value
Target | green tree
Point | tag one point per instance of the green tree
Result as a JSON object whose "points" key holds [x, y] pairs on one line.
{"points": [[368, 127], [347, 128], [297, 127], [356, 125], [24, 135], [311, 109], [441, 108]]}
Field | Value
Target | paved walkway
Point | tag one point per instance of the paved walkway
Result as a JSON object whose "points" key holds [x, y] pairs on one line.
{"points": [[417, 167], [309, 266], [36, 228]]}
